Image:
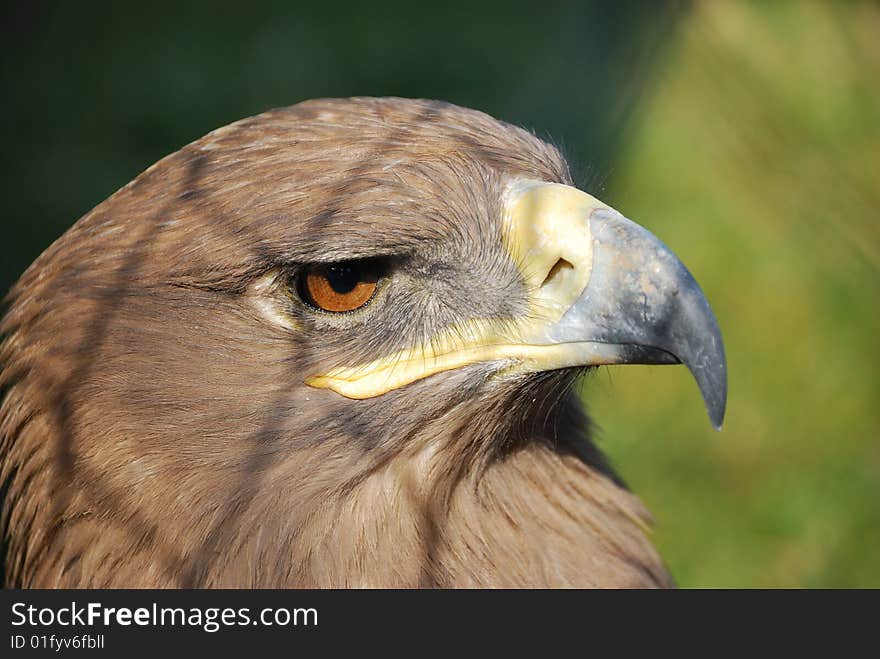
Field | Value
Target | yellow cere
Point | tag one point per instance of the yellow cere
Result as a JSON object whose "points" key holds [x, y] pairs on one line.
{"points": [[546, 230]]}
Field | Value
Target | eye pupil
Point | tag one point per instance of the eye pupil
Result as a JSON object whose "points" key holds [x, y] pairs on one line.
{"points": [[342, 279]]}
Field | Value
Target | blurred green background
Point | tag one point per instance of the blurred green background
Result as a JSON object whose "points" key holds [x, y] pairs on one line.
{"points": [[746, 135]]}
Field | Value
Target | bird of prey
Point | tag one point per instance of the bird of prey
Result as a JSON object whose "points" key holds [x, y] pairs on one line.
{"points": [[332, 346]]}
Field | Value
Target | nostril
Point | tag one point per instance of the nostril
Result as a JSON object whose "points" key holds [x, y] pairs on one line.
{"points": [[559, 268]]}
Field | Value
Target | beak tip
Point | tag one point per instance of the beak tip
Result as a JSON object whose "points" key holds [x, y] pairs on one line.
{"points": [[710, 371], [715, 398]]}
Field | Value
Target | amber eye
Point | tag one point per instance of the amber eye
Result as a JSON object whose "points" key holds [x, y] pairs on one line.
{"points": [[338, 287]]}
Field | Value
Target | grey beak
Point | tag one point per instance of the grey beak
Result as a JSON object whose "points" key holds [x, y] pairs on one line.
{"points": [[644, 306]]}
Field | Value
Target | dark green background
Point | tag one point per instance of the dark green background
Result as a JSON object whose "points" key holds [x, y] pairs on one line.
{"points": [[746, 135]]}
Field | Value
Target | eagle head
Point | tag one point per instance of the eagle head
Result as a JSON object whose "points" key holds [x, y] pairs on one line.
{"points": [[331, 345]]}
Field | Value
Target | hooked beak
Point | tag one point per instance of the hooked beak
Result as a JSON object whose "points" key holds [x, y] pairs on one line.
{"points": [[643, 306], [627, 299]]}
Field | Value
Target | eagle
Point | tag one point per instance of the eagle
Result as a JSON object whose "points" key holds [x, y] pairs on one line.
{"points": [[332, 345]]}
